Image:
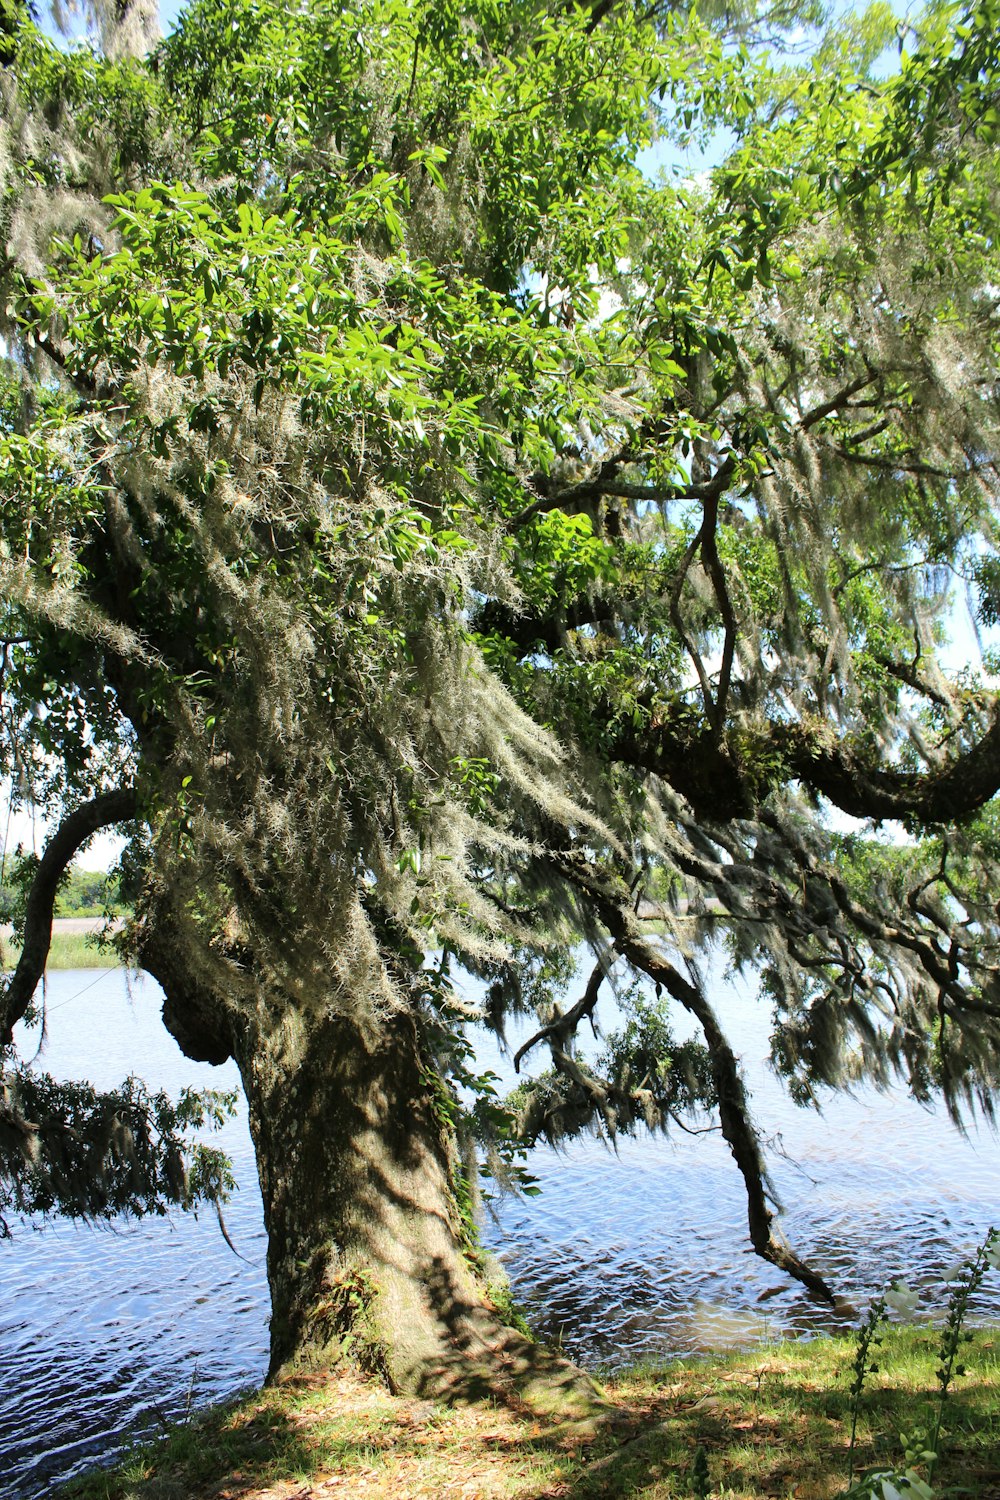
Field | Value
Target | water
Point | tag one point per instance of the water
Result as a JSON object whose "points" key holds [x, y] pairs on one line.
{"points": [[109, 1336], [644, 1252]]}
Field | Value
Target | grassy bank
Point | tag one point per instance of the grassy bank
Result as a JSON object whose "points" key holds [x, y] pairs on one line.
{"points": [[772, 1422], [69, 950]]}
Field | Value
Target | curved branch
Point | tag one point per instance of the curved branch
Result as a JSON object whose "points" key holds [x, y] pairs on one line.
{"points": [[73, 832], [845, 779], [611, 900], [563, 1027], [717, 785]]}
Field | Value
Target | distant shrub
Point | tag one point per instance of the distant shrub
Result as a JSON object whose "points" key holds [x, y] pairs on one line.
{"points": [[82, 893], [88, 893]]}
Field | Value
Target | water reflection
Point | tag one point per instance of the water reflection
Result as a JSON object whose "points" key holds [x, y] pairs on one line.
{"points": [[639, 1254]]}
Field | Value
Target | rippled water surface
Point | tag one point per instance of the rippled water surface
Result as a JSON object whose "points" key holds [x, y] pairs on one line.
{"points": [[645, 1252], [107, 1336]]}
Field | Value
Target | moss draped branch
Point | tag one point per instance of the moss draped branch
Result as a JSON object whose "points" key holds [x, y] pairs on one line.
{"points": [[723, 782], [848, 779], [610, 898], [102, 811]]}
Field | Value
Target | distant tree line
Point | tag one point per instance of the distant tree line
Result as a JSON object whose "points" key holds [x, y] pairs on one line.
{"points": [[82, 893]]}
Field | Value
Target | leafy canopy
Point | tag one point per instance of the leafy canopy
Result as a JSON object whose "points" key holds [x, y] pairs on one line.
{"points": [[458, 544]]}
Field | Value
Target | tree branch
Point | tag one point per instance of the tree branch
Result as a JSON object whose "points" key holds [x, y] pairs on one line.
{"points": [[563, 1027], [842, 775], [611, 899], [719, 785], [73, 832], [604, 481], [827, 408], [717, 574]]}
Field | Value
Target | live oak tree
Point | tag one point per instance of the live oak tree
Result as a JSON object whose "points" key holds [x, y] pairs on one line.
{"points": [[435, 546]]}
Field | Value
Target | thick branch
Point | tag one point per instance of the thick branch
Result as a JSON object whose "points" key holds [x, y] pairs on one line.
{"points": [[844, 777], [611, 900], [72, 833], [680, 748], [720, 785]]}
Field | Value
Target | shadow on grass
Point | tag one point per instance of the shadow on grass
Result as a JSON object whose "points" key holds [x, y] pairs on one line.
{"points": [[784, 1429], [773, 1423], [229, 1450], [397, 1448]]}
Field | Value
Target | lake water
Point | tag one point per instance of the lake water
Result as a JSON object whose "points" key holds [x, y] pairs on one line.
{"points": [[109, 1336]]}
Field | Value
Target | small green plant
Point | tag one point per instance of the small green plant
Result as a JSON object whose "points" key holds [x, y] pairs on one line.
{"points": [[922, 1445], [869, 1339], [967, 1282], [701, 1482], [891, 1484]]}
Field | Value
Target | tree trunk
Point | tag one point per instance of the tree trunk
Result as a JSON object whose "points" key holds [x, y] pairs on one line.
{"points": [[368, 1256], [371, 1255]]}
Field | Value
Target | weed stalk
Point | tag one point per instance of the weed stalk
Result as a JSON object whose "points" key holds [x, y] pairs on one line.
{"points": [[967, 1283], [869, 1338]]}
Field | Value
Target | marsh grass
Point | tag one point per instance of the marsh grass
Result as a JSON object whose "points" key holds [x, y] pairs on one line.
{"points": [[69, 950], [772, 1422]]}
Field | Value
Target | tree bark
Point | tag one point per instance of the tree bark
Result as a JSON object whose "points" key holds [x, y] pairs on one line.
{"points": [[103, 811], [369, 1255]]}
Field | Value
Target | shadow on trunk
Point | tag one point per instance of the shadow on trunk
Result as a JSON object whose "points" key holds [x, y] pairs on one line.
{"points": [[488, 1361]]}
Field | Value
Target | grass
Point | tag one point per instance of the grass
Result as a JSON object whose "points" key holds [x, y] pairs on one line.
{"points": [[69, 950], [772, 1422]]}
